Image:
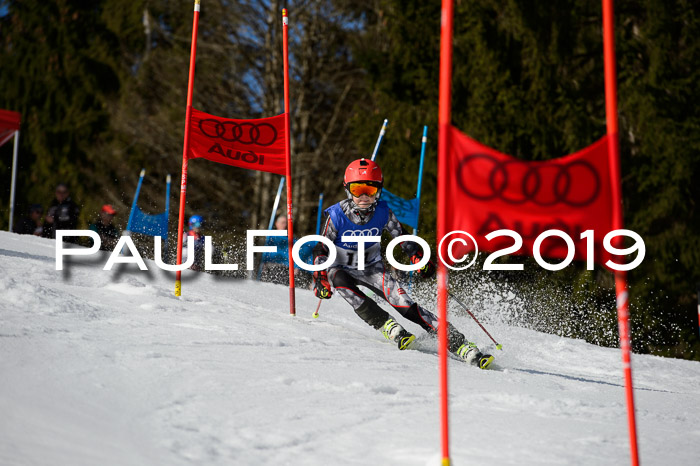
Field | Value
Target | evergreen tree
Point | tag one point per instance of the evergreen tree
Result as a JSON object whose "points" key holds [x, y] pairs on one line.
{"points": [[59, 71], [528, 81], [658, 53]]}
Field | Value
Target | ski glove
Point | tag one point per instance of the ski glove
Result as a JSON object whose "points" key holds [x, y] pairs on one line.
{"points": [[322, 287], [428, 270]]}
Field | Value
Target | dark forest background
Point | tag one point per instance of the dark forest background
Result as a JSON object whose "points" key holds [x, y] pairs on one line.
{"points": [[101, 86]]}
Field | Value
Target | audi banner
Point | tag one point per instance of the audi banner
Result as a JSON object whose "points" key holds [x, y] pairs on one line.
{"points": [[489, 191], [256, 144], [9, 123]]}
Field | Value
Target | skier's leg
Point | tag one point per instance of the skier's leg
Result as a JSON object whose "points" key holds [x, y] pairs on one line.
{"points": [[368, 310], [378, 278], [345, 285], [457, 343]]}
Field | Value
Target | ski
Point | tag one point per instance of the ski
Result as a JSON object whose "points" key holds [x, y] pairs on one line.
{"points": [[483, 361]]}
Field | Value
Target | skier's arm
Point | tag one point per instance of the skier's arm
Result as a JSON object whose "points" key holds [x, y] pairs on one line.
{"points": [[322, 287], [395, 229], [321, 252]]}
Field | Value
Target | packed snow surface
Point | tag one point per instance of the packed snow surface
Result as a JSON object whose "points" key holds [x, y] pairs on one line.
{"points": [[110, 368]]}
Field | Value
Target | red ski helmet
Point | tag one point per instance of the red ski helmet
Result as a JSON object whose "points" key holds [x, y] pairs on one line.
{"points": [[363, 170]]}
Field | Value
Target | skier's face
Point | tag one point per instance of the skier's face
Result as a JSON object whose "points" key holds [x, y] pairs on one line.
{"points": [[364, 201], [61, 193], [106, 217]]}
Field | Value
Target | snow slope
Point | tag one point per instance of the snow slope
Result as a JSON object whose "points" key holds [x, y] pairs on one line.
{"points": [[110, 368]]}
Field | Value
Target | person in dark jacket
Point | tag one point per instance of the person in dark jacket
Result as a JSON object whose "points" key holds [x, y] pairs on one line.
{"points": [[31, 224], [62, 214], [109, 234]]}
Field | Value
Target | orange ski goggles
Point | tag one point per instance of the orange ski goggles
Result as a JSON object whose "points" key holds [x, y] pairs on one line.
{"points": [[358, 189]]}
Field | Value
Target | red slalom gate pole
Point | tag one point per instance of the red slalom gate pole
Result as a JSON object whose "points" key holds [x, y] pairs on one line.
{"points": [[622, 294], [288, 153], [185, 149], [443, 144], [698, 309]]}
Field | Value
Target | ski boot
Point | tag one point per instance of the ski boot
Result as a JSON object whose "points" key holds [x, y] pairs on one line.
{"points": [[471, 354], [393, 331]]}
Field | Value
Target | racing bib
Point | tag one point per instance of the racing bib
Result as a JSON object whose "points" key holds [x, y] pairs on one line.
{"points": [[347, 253]]}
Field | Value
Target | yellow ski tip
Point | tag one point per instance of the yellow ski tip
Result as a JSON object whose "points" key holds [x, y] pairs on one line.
{"points": [[407, 343], [484, 363]]}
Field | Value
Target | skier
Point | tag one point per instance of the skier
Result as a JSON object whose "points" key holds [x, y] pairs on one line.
{"points": [[363, 214]]}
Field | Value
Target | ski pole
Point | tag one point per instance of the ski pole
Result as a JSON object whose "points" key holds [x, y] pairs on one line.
{"points": [[498, 345], [315, 314], [379, 139]]}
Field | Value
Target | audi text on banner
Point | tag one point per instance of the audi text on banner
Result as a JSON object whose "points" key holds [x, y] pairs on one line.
{"points": [[255, 144]]}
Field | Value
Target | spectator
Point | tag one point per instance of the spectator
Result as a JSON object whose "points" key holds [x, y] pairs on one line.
{"points": [[195, 230], [109, 234], [281, 222], [62, 214], [31, 224], [274, 266]]}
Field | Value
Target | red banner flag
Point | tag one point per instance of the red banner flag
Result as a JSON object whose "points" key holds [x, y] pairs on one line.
{"points": [[256, 144], [489, 191], [9, 123]]}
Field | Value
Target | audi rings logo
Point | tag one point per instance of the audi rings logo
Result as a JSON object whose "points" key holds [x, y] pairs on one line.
{"points": [[575, 184], [366, 232], [261, 134]]}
